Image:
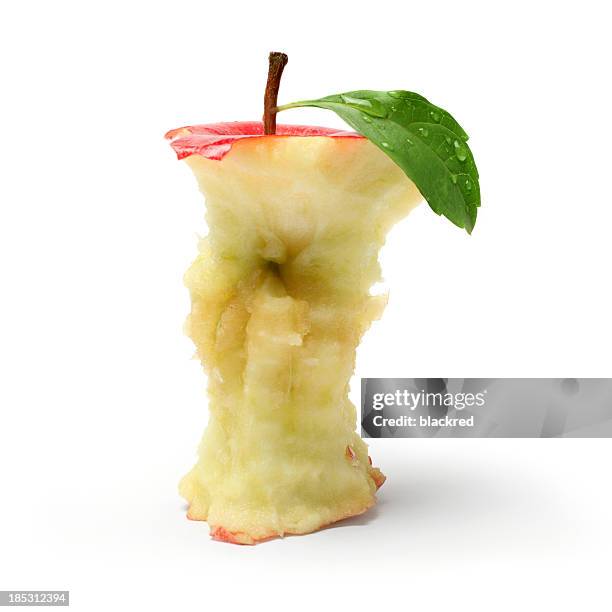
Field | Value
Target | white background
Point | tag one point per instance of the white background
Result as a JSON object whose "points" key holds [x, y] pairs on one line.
{"points": [[101, 406]]}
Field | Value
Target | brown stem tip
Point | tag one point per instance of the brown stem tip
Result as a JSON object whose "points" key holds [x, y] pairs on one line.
{"points": [[278, 61]]}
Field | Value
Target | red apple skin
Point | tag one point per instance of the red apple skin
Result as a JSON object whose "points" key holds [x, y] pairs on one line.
{"points": [[222, 534], [350, 454], [215, 140], [378, 477]]}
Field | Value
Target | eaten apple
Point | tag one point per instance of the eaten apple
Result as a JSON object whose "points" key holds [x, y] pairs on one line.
{"points": [[280, 299]]}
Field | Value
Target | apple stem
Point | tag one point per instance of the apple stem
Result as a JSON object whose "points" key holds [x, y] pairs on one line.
{"points": [[278, 61]]}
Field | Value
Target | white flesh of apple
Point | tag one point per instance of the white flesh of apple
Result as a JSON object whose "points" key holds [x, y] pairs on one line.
{"points": [[280, 299]]}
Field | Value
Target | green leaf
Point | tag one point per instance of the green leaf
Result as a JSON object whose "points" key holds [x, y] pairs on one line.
{"points": [[425, 141]]}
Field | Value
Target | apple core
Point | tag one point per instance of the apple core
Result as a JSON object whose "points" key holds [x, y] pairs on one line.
{"points": [[280, 294]]}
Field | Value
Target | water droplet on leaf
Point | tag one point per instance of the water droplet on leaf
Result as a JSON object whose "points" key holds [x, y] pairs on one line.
{"points": [[460, 151], [371, 107], [424, 132], [386, 145], [454, 179], [396, 94], [468, 184], [435, 115], [366, 118]]}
